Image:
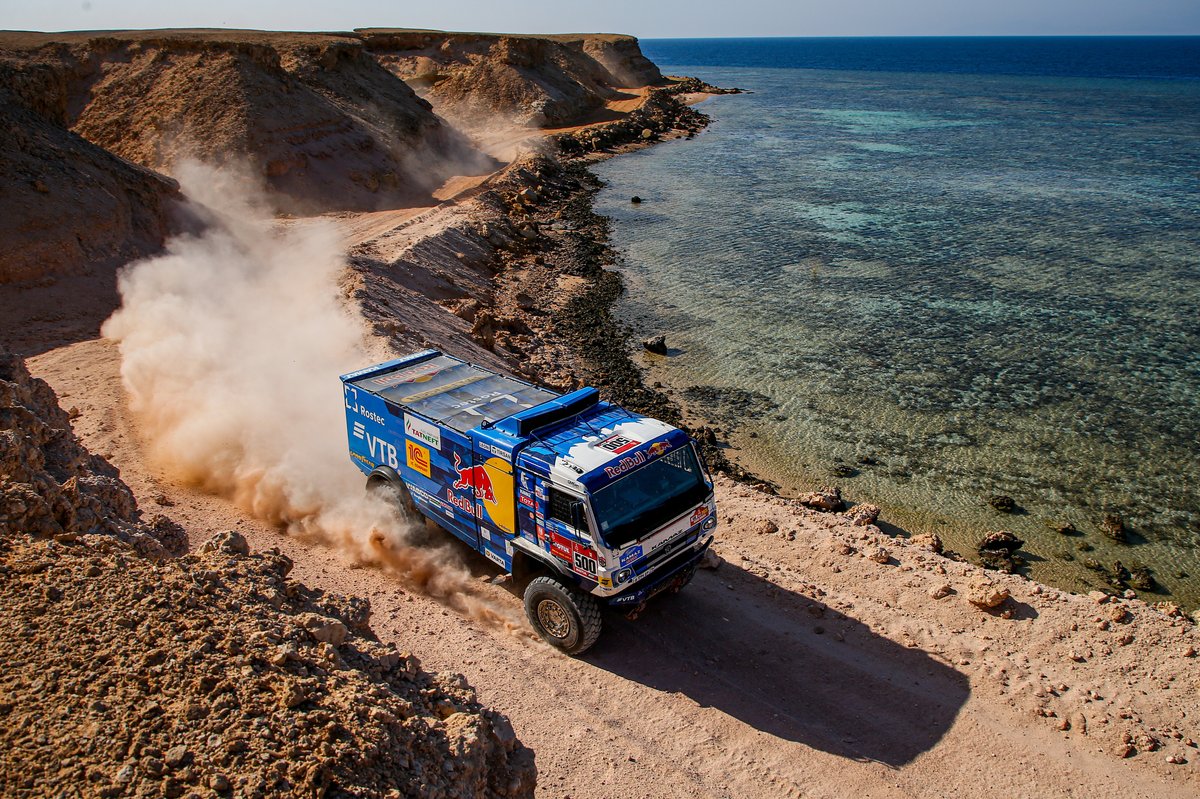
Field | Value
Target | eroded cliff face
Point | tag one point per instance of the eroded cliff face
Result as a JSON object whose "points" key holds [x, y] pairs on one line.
{"points": [[68, 203], [477, 80], [325, 123]]}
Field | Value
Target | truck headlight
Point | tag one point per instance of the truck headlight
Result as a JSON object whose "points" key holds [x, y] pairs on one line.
{"points": [[710, 522], [623, 576]]}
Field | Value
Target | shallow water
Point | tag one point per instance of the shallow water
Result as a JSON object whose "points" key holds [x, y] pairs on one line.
{"points": [[986, 283]]}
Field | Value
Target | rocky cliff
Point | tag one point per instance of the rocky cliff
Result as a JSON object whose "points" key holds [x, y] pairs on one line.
{"points": [[479, 79], [68, 203], [325, 123]]}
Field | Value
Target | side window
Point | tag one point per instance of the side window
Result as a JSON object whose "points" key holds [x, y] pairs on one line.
{"points": [[559, 507]]}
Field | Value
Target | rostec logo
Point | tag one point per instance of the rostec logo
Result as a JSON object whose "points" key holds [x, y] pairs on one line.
{"points": [[374, 417], [475, 477]]}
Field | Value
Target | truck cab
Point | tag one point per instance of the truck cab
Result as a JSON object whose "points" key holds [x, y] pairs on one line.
{"points": [[585, 503]]}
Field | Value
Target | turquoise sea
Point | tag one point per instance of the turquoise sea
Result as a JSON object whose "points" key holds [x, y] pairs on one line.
{"points": [[955, 268]]}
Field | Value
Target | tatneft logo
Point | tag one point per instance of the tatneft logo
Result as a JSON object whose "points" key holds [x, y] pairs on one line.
{"points": [[423, 431]]}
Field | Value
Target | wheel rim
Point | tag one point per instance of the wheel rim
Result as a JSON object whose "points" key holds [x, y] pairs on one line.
{"points": [[553, 618]]}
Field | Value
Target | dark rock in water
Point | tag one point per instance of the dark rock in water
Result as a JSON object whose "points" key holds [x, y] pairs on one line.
{"points": [[1119, 576], [1084, 546], [1093, 564], [842, 470], [1141, 579], [867, 460], [656, 344], [1002, 503], [635, 199], [996, 551], [1113, 526], [1066, 528]]}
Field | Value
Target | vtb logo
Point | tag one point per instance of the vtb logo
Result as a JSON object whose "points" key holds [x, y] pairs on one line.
{"points": [[475, 477]]}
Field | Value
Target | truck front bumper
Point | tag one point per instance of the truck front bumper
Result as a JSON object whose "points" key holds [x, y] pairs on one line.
{"points": [[677, 571]]}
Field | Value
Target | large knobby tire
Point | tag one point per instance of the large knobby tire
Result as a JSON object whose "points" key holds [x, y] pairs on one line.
{"points": [[396, 492], [567, 618]]}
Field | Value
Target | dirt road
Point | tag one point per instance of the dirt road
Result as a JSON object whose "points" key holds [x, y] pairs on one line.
{"points": [[773, 676]]}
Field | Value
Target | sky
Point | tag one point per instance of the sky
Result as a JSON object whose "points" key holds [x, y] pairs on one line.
{"points": [[644, 18]]}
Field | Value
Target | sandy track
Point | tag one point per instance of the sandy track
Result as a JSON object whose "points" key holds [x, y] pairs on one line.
{"points": [[728, 690]]}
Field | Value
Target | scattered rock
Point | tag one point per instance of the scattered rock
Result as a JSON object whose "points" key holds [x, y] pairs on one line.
{"points": [[862, 515], [1065, 528], [941, 591], [931, 542], [765, 527], [984, 593], [878, 554], [826, 499], [635, 199], [711, 560]]}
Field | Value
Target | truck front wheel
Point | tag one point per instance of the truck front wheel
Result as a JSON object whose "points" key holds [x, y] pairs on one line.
{"points": [[567, 618]]}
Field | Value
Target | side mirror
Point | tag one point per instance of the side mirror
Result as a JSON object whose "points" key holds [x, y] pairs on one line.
{"points": [[578, 516]]}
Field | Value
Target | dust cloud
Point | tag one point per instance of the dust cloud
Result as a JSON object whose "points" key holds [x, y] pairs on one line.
{"points": [[231, 343]]}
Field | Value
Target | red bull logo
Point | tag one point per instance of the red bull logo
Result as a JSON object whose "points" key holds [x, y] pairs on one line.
{"points": [[657, 448], [475, 477]]}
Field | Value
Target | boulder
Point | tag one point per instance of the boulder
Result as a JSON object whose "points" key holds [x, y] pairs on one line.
{"points": [[983, 593], [929, 541], [1002, 503], [862, 515], [1113, 526], [996, 550], [656, 344], [827, 499]]}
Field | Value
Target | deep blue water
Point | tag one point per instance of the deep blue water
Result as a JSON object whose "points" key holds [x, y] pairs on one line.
{"points": [[1156, 57], [986, 281]]}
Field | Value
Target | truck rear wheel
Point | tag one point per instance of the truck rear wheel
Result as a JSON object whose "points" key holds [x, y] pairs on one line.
{"points": [[567, 618], [395, 488]]}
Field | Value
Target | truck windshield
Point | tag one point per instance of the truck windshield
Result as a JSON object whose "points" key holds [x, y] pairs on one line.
{"points": [[649, 497]]}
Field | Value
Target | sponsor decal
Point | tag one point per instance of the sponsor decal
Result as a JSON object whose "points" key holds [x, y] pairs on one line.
{"points": [[380, 450], [417, 457], [360, 432], [526, 499], [475, 477], [585, 563], [582, 558], [618, 444], [374, 417], [657, 448], [426, 433], [625, 464], [363, 459], [560, 547], [494, 558], [698, 514], [464, 505], [486, 447], [630, 555], [605, 581], [352, 398]]}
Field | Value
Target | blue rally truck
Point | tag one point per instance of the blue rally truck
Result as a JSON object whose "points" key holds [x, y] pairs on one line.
{"points": [[583, 502]]}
